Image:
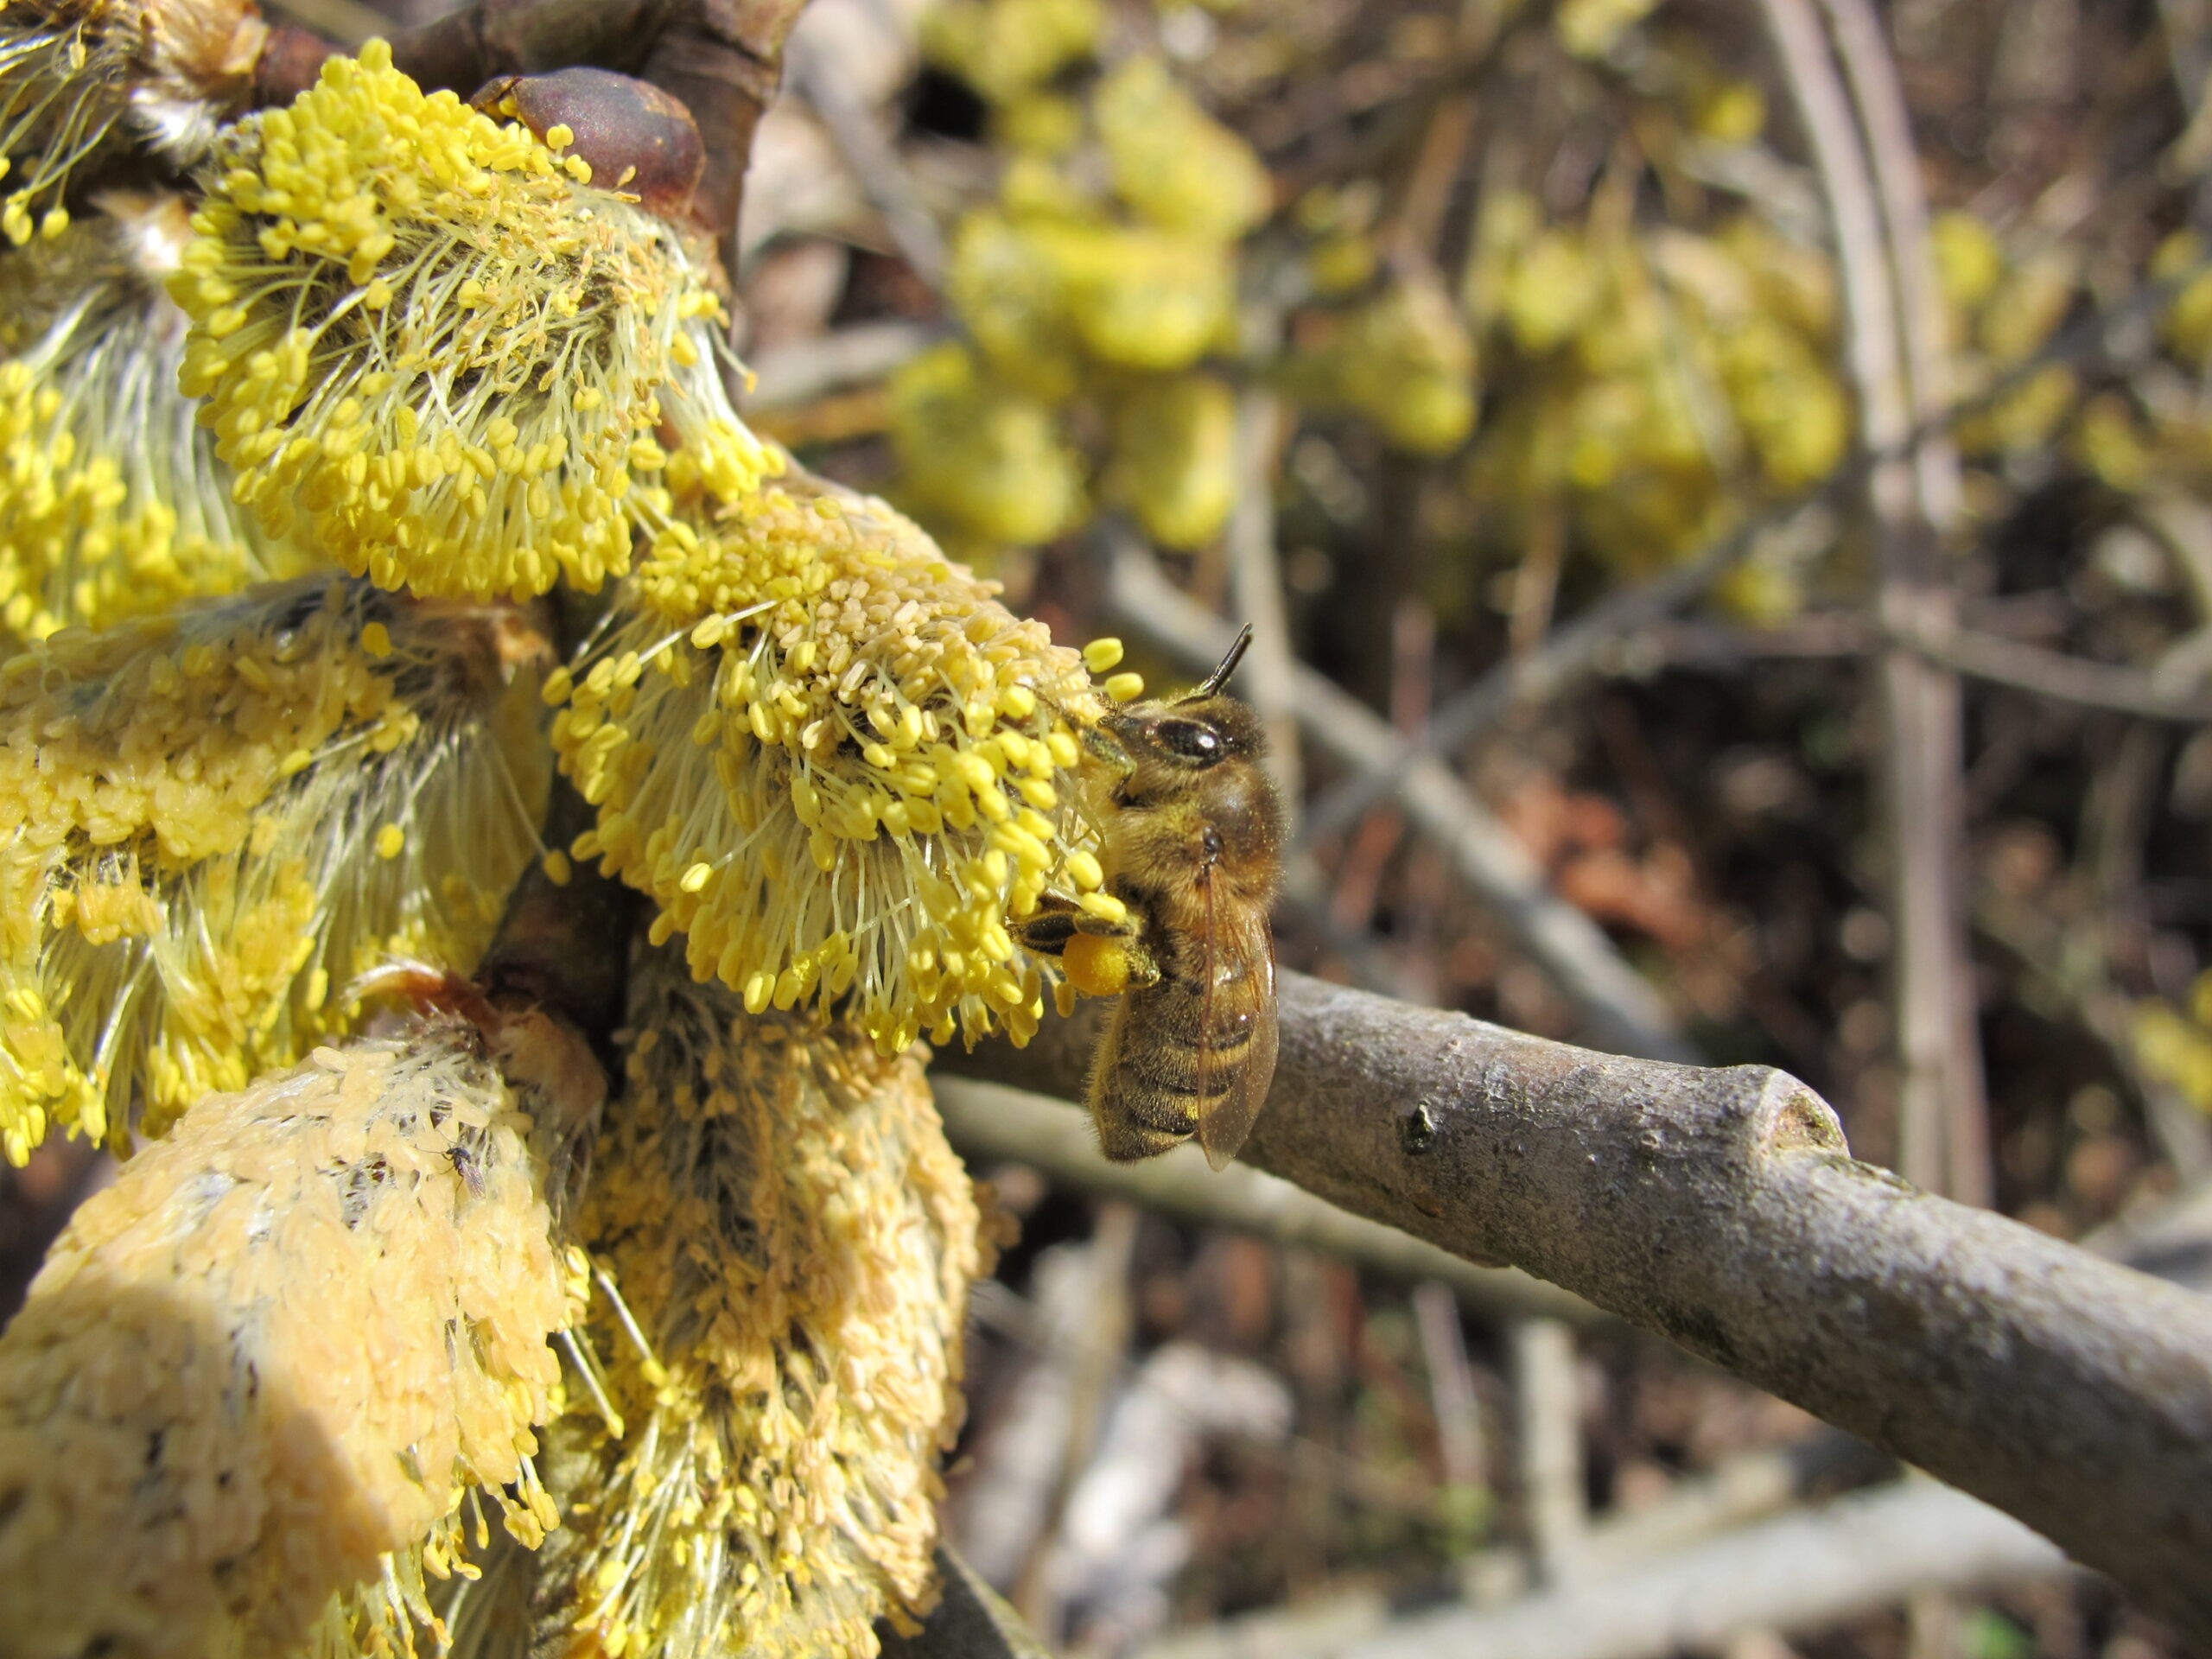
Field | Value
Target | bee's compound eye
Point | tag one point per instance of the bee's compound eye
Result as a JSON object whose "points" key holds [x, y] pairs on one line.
{"points": [[1193, 740]]}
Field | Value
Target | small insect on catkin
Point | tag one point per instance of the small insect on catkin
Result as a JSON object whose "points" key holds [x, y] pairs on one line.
{"points": [[793, 1241], [837, 763], [273, 1362]]}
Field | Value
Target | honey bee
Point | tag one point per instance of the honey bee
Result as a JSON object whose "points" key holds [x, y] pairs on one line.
{"points": [[1193, 833]]}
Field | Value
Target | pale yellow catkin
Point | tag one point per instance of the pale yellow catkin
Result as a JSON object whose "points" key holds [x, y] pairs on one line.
{"points": [[189, 810], [280, 1348], [794, 1239], [419, 332], [837, 762]]}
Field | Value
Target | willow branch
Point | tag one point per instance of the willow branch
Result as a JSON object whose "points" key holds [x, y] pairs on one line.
{"points": [[1721, 1209], [1619, 1010]]}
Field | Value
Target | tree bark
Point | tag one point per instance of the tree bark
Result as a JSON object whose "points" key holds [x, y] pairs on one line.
{"points": [[1721, 1209]]}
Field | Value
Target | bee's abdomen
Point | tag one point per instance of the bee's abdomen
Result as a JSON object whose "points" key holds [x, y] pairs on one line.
{"points": [[1179, 1065], [1174, 1064]]}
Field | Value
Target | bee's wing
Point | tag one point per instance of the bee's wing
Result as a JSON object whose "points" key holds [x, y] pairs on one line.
{"points": [[1251, 941]]}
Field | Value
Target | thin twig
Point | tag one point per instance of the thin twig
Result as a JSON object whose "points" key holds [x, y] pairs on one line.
{"points": [[1939, 767], [1619, 1007], [872, 158], [989, 1122], [1923, 324], [1567, 655], [1306, 890], [2056, 674], [1547, 1402], [1745, 1488], [1943, 1134], [1801, 1572], [1255, 581], [1578, 648], [1094, 1367], [788, 376], [1451, 1385]]}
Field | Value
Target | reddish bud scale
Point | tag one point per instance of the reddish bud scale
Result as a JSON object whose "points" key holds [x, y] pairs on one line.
{"points": [[636, 137]]}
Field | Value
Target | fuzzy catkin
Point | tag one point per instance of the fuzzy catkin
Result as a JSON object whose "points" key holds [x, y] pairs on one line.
{"points": [[112, 503], [423, 333], [211, 822], [794, 1239], [837, 763], [282, 1346]]}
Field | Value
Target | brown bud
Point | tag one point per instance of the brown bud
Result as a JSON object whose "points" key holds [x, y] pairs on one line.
{"points": [[636, 137], [291, 58]]}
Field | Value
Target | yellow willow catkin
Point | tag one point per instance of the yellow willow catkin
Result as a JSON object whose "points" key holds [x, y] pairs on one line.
{"points": [[63, 89], [837, 762], [112, 503], [72, 73], [794, 1239], [419, 328], [279, 1350], [210, 824]]}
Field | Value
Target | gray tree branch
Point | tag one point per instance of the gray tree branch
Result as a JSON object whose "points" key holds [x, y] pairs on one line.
{"points": [[1721, 1209]]}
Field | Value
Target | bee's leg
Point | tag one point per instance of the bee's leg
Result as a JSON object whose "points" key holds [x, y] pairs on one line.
{"points": [[1105, 744], [1047, 932], [1106, 963]]}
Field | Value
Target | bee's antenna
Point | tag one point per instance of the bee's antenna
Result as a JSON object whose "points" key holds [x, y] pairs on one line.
{"points": [[1213, 682]]}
